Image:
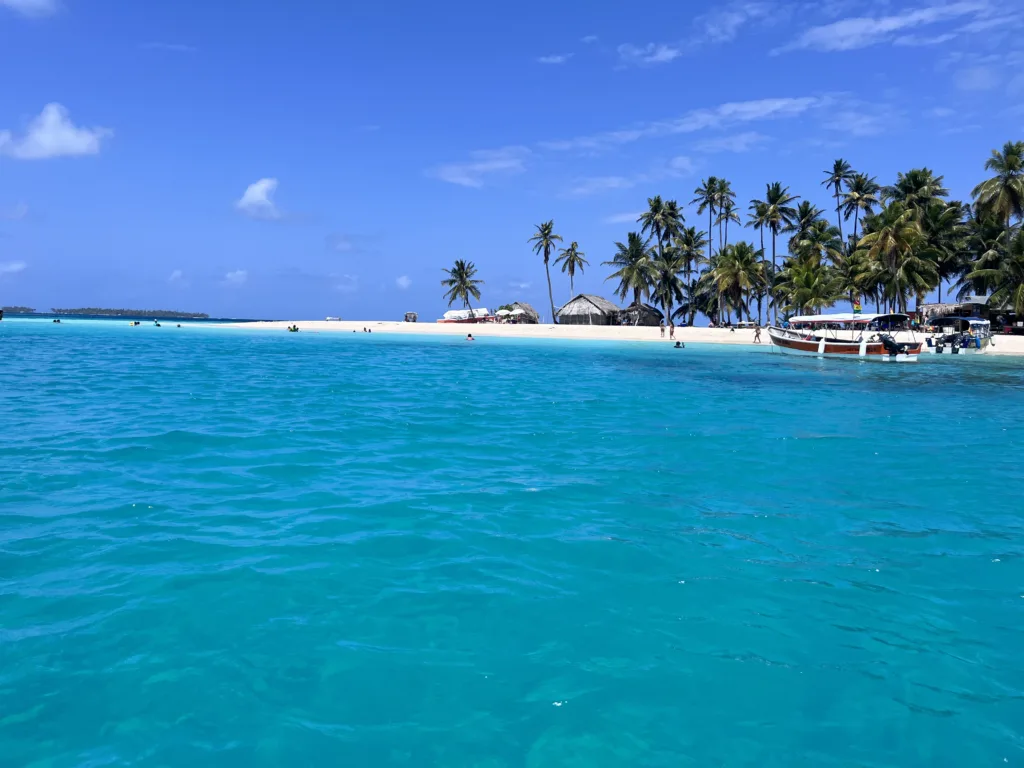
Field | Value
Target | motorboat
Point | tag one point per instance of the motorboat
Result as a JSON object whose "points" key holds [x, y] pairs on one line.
{"points": [[848, 335], [959, 336], [481, 315]]}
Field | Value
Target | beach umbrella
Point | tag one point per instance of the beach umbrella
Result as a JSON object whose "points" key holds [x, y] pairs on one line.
{"points": [[502, 312], [518, 311]]}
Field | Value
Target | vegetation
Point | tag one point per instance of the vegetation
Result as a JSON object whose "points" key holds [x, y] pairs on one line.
{"points": [[18, 310], [905, 240], [154, 313], [462, 283]]}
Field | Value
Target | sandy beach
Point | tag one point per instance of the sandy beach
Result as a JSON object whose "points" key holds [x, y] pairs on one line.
{"points": [[1004, 345]]}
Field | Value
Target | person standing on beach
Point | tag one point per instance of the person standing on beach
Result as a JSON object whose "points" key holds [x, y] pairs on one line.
{"points": [[757, 333], [662, 326], [671, 330]]}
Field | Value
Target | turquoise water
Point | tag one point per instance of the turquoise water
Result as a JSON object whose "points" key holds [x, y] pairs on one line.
{"points": [[244, 548]]}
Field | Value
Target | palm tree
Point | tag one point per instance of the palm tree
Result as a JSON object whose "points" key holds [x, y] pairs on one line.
{"points": [[853, 275], [840, 174], [736, 275], [916, 189], [779, 213], [1003, 194], [689, 245], [1003, 272], [572, 260], [662, 220], [668, 288], [897, 246], [765, 281], [808, 285], [946, 236], [726, 204], [461, 283], [635, 268], [707, 200], [807, 214], [544, 242], [861, 197], [820, 242]]}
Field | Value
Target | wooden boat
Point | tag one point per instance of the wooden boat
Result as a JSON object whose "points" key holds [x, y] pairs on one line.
{"points": [[959, 336], [850, 336], [481, 315]]}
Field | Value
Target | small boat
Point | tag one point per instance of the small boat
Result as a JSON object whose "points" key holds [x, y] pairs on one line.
{"points": [[850, 336], [959, 336], [481, 315]]}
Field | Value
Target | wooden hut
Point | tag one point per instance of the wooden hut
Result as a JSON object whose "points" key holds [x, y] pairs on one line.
{"points": [[411, 317], [641, 314], [528, 315], [587, 309]]}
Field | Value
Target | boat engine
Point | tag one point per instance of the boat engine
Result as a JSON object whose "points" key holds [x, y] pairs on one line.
{"points": [[890, 345]]}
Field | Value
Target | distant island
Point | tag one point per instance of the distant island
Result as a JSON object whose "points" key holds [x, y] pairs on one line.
{"points": [[18, 310], [167, 313]]}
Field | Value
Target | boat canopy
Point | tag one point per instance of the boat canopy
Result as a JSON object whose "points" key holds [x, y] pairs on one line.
{"points": [[848, 317], [961, 323], [466, 314]]}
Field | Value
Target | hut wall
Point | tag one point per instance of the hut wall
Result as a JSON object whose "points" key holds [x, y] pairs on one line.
{"points": [[594, 318]]}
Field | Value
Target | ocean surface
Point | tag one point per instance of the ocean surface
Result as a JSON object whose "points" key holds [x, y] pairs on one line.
{"points": [[226, 547]]}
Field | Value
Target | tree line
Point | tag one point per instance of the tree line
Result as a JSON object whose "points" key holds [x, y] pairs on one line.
{"points": [[903, 241]]}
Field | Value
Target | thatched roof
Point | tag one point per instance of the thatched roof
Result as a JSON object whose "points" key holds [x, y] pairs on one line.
{"points": [[587, 304], [643, 309], [529, 310]]}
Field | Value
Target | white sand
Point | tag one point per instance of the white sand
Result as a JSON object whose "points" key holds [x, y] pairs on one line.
{"points": [[1004, 345]]}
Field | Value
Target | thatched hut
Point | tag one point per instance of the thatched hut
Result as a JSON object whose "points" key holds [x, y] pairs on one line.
{"points": [[587, 309], [524, 313], [641, 314]]}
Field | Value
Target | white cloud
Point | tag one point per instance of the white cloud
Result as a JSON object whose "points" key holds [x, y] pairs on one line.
{"points": [[680, 166], [403, 282], [589, 39], [18, 211], [237, 277], [169, 47], [865, 31], [257, 201], [31, 7], [722, 25], [919, 41], [507, 160], [12, 267], [942, 112], [622, 218], [176, 276], [52, 134], [740, 142], [557, 58], [652, 53], [520, 286], [674, 168], [976, 79], [346, 283], [723, 115]]}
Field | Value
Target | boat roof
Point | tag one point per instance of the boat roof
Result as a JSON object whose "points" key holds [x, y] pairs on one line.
{"points": [[846, 317], [971, 320]]}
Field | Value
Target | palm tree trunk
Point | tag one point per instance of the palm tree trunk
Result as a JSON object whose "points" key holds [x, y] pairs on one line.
{"points": [[856, 221], [775, 303], [839, 217], [940, 290], [551, 297]]}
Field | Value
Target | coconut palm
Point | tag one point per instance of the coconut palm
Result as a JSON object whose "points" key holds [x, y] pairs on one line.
{"points": [[461, 283], [544, 240], [736, 275], [1003, 194], [916, 190], [635, 268], [726, 203], [946, 235], [779, 213], [689, 245], [707, 200], [1003, 272], [853, 275], [861, 197], [820, 242], [660, 220], [572, 261], [807, 214], [668, 288], [841, 173], [897, 245], [807, 285]]}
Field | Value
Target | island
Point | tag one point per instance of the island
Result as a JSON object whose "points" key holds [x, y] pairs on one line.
{"points": [[17, 310], [154, 313]]}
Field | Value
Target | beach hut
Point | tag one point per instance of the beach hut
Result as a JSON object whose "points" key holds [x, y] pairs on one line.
{"points": [[587, 309], [524, 313], [641, 314], [411, 317]]}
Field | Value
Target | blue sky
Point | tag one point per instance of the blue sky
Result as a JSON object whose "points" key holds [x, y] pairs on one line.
{"points": [[272, 159]]}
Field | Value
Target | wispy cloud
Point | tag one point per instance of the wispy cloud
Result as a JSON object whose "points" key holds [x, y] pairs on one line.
{"points": [[556, 58], [483, 163], [520, 286], [652, 53], [176, 276], [12, 267], [52, 134], [345, 283], [740, 142], [918, 41], [169, 47], [403, 282], [732, 113], [676, 167], [723, 24], [865, 31], [257, 201], [15, 213], [35, 8], [589, 39], [976, 79], [237, 277], [622, 218]]}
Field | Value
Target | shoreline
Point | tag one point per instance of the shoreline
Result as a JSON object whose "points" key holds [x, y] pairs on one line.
{"points": [[1003, 346]]}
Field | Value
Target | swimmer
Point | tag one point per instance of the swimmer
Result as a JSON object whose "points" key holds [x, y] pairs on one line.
{"points": [[469, 337], [679, 345]]}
